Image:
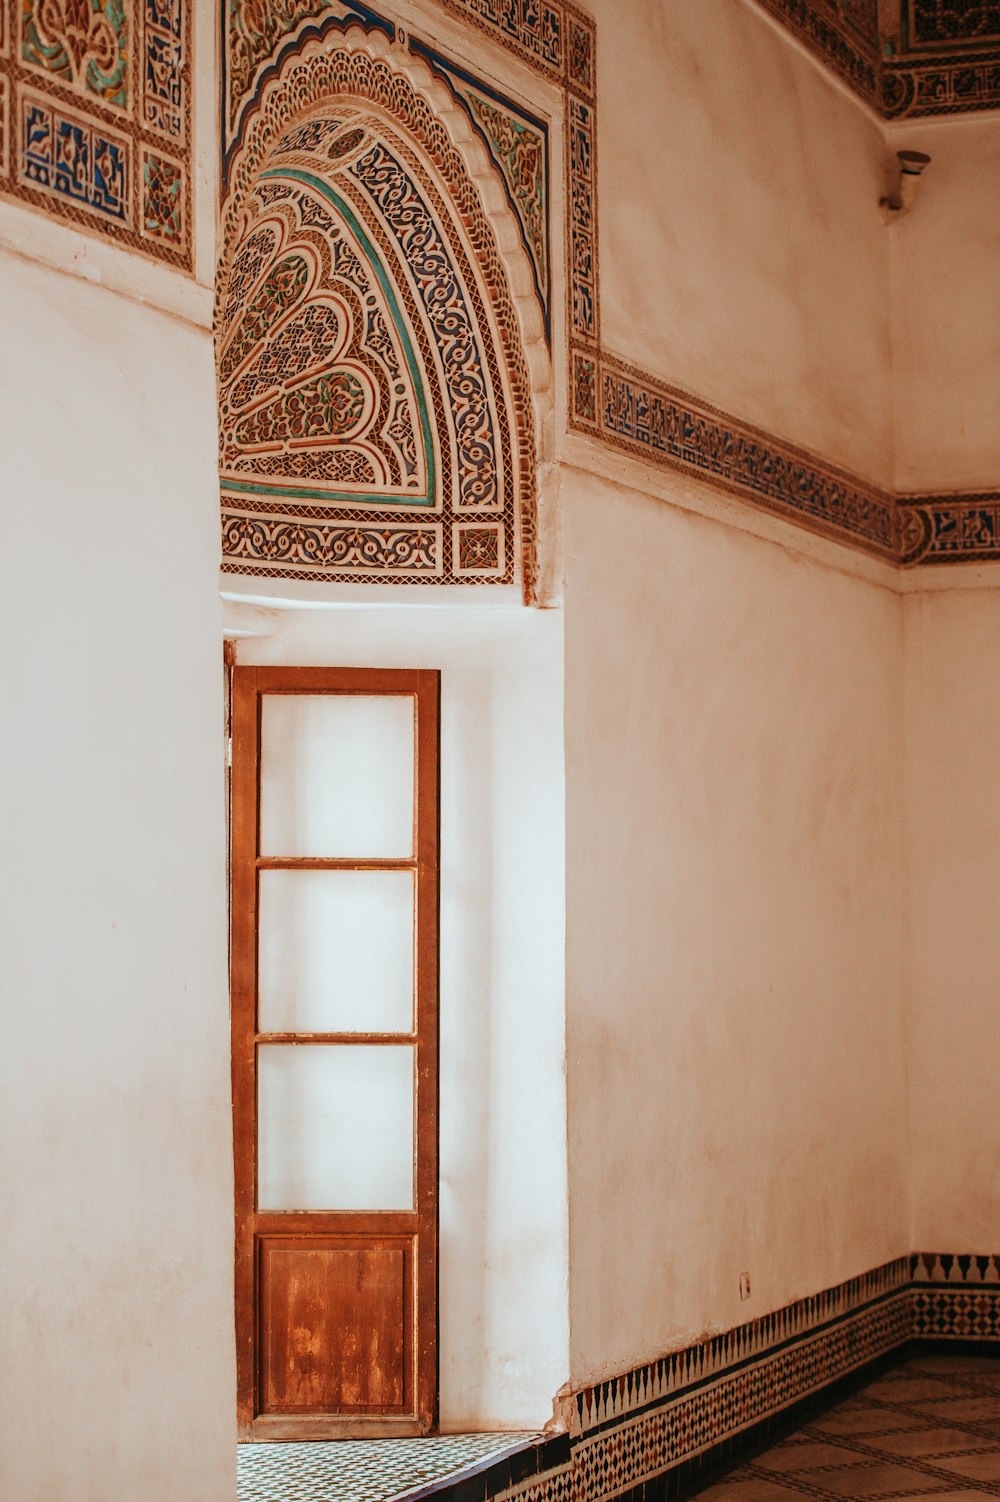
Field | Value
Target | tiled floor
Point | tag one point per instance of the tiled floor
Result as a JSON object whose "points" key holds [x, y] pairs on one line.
{"points": [[928, 1429], [372, 1470]]}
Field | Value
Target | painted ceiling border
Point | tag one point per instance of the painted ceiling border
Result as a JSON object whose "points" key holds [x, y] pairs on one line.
{"points": [[890, 69], [634, 411]]}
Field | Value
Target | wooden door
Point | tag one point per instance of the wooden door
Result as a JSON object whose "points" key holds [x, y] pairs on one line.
{"points": [[334, 1016]]}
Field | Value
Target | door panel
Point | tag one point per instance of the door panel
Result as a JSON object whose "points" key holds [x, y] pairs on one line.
{"points": [[334, 999], [319, 1298]]}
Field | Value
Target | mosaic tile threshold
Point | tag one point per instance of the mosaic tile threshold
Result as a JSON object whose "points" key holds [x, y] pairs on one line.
{"points": [[366, 1470], [928, 1429]]}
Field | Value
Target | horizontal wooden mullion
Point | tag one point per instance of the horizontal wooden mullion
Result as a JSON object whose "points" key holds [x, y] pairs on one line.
{"points": [[338, 1038], [366, 683], [335, 863], [367, 1225], [304, 1426]]}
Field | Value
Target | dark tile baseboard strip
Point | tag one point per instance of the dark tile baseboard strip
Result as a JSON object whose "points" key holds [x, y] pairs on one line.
{"points": [[666, 1429], [500, 1474]]}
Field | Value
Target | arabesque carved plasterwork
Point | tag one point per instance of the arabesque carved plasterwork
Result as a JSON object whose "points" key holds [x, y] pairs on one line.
{"points": [[83, 42], [317, 385], [521, 154], [518, 143], [364, 383], [96, 121], [254, 29], [900, 73]]}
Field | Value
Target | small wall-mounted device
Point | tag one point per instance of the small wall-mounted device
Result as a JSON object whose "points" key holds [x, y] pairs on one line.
{"points": [[910, 165]]}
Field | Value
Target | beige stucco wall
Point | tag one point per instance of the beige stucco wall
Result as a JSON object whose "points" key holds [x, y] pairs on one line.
{"points": [[734, 989], [735, 741], [115, 1167], [946, 309], [743, 256], [953, 807]]}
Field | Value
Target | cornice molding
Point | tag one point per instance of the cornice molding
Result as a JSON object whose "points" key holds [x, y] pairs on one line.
{"points": [[925, 63]]}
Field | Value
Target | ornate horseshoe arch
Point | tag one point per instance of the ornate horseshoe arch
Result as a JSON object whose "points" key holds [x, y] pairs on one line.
{"points": [[374, 324]]}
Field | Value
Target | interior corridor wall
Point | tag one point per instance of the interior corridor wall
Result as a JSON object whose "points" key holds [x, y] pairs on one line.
{"points": [[115, 1173], [953, 808], [743, 256], [735, 1030], [946, 309], [503, 1327]]}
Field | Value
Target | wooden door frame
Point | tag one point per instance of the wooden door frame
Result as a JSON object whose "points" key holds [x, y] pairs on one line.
{"points": [[419, 1228]]}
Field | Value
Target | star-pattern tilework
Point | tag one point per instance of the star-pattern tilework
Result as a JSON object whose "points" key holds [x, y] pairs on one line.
{"points": [[365, 1470]]}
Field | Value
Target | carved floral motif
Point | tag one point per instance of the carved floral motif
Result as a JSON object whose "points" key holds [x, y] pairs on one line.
{"points": [[84, 42]]}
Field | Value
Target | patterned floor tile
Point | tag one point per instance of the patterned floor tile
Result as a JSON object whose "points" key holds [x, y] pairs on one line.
{"points": [[927, 1432], [974, 1467], [896, 1388], [953, 1365], [930, 1441], [808, 1457], [960, 1496], [751, 1489], [864, 1419], [363, 1470], [970, 1408]]}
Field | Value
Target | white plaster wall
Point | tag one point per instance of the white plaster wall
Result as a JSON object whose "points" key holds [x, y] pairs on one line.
{"points": [[953, 805], [115, 1159], [946, 309], [735, 1032], [503, 1218], [742, 253]]}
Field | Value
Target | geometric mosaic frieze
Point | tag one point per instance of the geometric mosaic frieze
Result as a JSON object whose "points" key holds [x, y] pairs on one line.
{"points": [[375, 419], [694, 1407], [95, 118]]}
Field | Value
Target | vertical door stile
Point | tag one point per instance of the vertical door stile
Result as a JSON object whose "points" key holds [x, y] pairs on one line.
{"points": [[243, 973]]}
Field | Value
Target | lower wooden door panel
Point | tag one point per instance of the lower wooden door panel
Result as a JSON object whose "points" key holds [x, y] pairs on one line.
{"points": [[336, 1326]]}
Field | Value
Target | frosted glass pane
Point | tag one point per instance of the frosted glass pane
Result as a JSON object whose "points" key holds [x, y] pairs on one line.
{"points": [[334, 1127], [336, 775], [336, 951]]}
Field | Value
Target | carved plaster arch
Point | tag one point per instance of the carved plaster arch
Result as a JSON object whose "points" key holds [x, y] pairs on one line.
{"points": [[355, 152]]}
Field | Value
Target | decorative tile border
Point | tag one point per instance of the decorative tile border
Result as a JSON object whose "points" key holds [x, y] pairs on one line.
{"points": [[946, 85], [645, 1387], [821, 26], [933, 60], [951, 1270], [931, 25], [663, 1425], [950, 528], [95, 118], [955, 1297], [651, 420]]}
